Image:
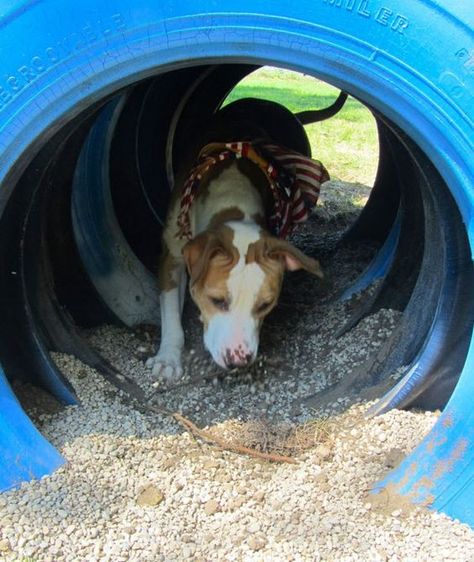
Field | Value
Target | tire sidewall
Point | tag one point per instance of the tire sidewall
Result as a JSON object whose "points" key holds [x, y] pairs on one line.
{"points": [[74, 55]]}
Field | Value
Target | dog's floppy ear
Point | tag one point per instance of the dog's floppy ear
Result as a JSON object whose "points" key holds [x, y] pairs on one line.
{"points": [[199, 251], [196, 254], [294, 258]]}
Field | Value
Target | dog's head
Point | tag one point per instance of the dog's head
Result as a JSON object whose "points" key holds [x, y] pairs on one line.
{"points": [[236, 274]]}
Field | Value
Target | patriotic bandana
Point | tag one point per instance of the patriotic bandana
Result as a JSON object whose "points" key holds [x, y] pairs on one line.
{"points": [[294, 181]]}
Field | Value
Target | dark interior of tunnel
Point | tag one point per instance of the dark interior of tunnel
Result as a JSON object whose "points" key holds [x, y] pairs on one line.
{"points": [[81, 235]]}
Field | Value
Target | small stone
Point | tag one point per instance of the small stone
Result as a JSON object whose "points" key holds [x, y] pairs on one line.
{"points": [[276, 505], [223, 477], [253, 527], [211, 507], [150, 496], [4, 546], [142, 352], [256, 543], [328, 524], [394, 457], [323, 452], [168, 463], [259, 496], [237, 503], [211, 463]]}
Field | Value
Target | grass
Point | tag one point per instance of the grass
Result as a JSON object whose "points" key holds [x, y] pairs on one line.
{"points": [[347, 143]]}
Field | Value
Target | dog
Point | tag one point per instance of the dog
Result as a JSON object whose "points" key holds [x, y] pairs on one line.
{"points": [[224, 231]]}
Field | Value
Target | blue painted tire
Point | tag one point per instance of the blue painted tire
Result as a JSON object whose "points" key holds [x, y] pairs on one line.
{"points": [[74, 56]]}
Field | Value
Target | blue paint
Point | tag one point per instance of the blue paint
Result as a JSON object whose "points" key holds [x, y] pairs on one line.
{"points": [[440, 472], [379, 266], [24, 452]]}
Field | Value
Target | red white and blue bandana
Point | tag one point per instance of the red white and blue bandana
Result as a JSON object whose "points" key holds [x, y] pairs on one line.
{"points": [[293, 179]]}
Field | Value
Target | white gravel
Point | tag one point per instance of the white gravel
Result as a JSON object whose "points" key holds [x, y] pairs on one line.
{"points": [[137, 488]]}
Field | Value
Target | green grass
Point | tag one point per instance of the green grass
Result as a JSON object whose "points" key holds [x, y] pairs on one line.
{"points": [[346, 144]]}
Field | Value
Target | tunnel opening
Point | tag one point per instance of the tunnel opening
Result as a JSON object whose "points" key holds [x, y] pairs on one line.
{"points": [[81, 236]]}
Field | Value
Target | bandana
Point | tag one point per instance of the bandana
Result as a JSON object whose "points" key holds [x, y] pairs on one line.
{"points": [[293, 179]]}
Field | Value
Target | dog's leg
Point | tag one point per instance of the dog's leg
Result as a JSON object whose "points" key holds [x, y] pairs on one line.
{"points": [[167, 362]]}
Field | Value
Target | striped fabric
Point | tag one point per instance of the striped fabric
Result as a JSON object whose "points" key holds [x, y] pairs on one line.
{"points": [[293, 179]]}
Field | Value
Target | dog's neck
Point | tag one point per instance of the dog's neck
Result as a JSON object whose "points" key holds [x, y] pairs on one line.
{"points": [[230, 196]]}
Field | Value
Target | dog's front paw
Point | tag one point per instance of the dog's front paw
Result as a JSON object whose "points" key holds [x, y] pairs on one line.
{"points": [[166, 365]]}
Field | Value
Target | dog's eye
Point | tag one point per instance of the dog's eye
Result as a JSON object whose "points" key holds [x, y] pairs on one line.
{"points": [[264, 306], [221, 304]]}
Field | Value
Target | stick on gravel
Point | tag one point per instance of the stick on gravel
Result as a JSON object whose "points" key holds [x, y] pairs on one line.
{"points": [[223, 444]]}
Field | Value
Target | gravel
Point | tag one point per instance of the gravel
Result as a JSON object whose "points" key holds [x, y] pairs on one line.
{"points": [[138, 488]]}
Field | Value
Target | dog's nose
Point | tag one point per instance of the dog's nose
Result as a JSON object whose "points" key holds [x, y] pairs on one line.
{"points": [[237, 364], [234, 359]]}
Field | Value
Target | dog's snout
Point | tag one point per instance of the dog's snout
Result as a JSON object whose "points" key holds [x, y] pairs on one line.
{"points": [[235, 358], [236, 364]]}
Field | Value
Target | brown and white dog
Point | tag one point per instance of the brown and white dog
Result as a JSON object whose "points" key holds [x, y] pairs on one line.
{"points": [[235, 265]]}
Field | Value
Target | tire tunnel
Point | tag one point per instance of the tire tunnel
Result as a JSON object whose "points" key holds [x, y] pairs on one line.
{"points": [[91, 116]]}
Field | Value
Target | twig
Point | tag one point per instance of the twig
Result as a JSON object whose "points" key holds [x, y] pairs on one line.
{"points": [[223, 444]]}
